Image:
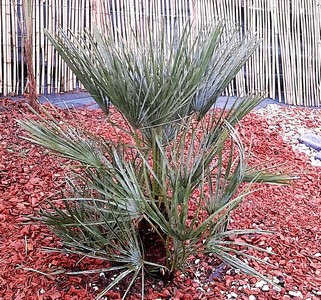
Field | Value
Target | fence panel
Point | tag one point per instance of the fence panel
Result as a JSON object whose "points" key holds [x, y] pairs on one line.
{"points": [[287, 65]]}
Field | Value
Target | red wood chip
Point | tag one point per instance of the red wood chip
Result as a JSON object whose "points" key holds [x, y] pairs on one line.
{"points": [[28, 176]]}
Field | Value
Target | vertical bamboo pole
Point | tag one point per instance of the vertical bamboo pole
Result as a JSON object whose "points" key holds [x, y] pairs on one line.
{"points": [[261, 78], [125, 24], [28, 16], [104, 16], [6, 48], [64, 17], [295, 52], [71, 80], [48, 49], [57, 57], [284, 29], [112, 18], [252, 14], [276, 48], [118, 20], [304, 46], [62, 69], [131, 21], [36, 46], [271, 53], [169, 17], [15, 58], [2, 5], [240, 78], [310, 81], [43, 66], [317, 31]]}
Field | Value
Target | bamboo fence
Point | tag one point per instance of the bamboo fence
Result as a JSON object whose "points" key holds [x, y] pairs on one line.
{"points": [[287, 65]]}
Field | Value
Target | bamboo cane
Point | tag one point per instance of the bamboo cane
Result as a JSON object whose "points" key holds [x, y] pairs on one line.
{"points": [[2, 4], [5, 48], [290, 52], [28, 12]]}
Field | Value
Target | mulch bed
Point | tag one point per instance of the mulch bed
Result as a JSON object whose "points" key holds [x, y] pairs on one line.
{"points": [[28, 175]]}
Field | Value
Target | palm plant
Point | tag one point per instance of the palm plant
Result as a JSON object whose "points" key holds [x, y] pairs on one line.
{"points": [[131, 204]]}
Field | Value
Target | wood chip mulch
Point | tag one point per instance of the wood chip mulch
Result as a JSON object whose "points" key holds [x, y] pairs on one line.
{"points": [[28, 175]]}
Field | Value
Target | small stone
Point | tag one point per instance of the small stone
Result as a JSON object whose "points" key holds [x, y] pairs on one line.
{"points": [[265, 288], [42, 291], [260, 284], [269, 249], [197, 261], [311, 140], [252, 297], [295, 294], [277, 288], [233, 295], [317, 255], [318, 156], [318, 293]]}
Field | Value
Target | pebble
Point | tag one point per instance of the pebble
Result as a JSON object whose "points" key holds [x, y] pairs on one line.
{"points": [[290, 129], [269, 249], [252, 297], [296, 294], [260, 284], [42, 291], [197, 261], [277, 288], [231, 295], [265, 288]]}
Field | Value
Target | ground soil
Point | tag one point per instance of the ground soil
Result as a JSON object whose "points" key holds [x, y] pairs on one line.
{"points": [[29, 175]]}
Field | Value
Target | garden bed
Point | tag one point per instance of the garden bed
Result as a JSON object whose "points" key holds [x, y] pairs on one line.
{"points": [[28, 175]]}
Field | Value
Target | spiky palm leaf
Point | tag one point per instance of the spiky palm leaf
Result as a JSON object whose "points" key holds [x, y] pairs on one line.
{"points": [[155, 83]]}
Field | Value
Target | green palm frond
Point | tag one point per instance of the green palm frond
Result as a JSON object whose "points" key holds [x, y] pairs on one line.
{"points": [[154, 88]]}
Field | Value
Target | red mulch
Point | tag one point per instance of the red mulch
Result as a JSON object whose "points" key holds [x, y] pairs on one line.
{"points": [[28, 175]]}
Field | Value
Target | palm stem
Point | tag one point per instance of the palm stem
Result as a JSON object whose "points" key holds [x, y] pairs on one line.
{"points": [[157, 167]]}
